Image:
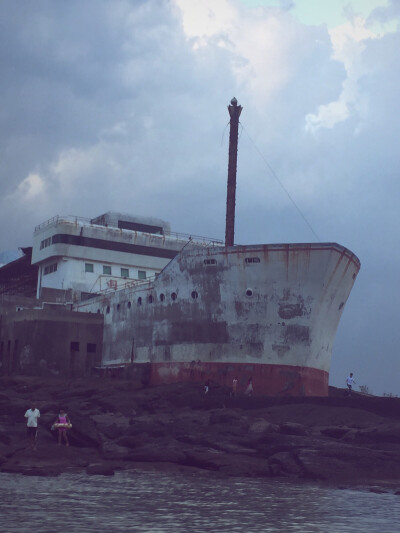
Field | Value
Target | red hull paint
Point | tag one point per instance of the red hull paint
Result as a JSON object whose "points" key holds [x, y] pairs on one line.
{"points": [[268, 380]]}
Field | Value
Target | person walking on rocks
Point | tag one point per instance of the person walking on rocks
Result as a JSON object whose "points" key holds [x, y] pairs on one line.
{"points": [[63, 424], [234, 386], [350, 381], [249, 389], [32, 416]]}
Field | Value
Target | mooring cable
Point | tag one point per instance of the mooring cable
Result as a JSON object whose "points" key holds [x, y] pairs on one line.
{"points": [[280, 183]]}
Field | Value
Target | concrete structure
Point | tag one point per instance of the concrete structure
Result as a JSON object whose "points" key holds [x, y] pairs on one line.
{"points": [[50, 341], [269, 312], [78, 258]]}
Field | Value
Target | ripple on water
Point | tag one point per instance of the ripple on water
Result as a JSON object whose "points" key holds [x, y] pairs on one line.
{"points": [[160, 503]]}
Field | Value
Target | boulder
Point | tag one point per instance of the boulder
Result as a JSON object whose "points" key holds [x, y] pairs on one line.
{"points": [[111, 450], [99, 470], [84, 432], [292, 428], [335, 432], [260, 425]]}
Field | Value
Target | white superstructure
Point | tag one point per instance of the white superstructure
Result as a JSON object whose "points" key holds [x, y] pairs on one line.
{"points": [[79, 257]]}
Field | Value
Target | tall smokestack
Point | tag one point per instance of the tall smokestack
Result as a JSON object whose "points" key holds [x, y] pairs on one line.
{"points": [[234, 112]]}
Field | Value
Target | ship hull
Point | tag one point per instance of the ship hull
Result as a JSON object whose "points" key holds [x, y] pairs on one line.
{"points": [[266, 312], [267, 380]]}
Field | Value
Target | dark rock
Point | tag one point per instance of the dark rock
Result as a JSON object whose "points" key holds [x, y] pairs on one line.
{"points": [[4, 437], [378, 490], [158, 453], [288, 464], [128, 441], [84, 432], [111, 450], [100, 470], [387, 433], [113, 431], [335, 432], [174, 426], [292, 428], [225, 417], [260, 425]]}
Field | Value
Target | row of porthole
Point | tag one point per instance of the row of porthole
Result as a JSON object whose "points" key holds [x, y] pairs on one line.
{"points": [[150, 300], [248, 260]]}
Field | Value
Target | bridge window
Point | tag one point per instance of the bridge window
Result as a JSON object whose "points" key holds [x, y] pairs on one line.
{"points": [[209, 262], [49, 269], [89, 267], [45, 243], [250, 260]]}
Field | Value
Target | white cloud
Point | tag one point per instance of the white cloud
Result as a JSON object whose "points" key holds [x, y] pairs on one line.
{"points": [[348, 44], [261, 41], [31, 189]]}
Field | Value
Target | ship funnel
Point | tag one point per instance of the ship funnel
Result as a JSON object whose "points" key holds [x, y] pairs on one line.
{"points": [[234, 112]]}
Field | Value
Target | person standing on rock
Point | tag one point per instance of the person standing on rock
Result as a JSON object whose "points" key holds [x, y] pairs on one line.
{"points": [[62, 422], [249, 389], [32, 416], [234, 386], [350, 381]]}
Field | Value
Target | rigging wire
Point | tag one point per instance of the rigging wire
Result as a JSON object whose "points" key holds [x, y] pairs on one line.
{"points": [[223, 133], [272, 171]]}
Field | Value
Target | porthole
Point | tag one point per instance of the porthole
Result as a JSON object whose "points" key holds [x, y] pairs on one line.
{"points": [[139, 301], [194, 295], [250, 260], [108, 309], [162, 297], [173, 296], [249, 293], [118, 307], [129, 305]]}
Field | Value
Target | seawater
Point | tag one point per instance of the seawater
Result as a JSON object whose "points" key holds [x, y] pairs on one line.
{"points": [[159, 502]]}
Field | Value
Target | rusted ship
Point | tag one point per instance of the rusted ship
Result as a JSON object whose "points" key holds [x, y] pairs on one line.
{"points": [[264, 312]]}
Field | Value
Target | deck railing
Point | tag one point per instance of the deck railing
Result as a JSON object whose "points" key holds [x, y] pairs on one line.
{"points": [[82, 221]]}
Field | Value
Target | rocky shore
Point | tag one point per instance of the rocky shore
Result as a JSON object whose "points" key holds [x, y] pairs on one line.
{"points": [[117, 425]]}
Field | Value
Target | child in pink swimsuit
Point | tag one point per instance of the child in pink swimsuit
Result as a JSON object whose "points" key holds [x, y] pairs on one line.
{"points": [[62, 432]]}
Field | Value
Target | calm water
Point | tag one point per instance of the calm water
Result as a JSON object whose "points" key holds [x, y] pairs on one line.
{"points": [[150, 502]]}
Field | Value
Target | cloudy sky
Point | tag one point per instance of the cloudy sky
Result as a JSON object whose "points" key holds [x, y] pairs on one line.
{"points": [[121, 105]]}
